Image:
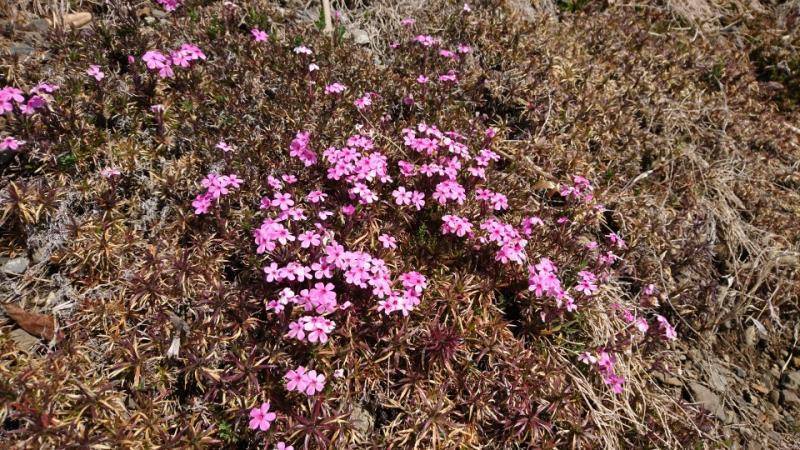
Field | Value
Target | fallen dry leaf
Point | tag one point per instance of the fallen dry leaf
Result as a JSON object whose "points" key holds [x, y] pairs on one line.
{"points": [[40, 325]]}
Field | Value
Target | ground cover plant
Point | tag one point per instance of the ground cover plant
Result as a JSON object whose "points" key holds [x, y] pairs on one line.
{"points": [[492, 226]]}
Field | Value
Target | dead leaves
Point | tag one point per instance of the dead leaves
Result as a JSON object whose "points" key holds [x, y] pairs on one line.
{"points": [[39, 325]]}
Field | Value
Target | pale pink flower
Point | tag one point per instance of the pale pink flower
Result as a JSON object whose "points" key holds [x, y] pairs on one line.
{"points": [[95, 71]]}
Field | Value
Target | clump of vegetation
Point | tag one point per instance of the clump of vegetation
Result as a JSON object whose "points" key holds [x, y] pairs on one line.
{"points": [[480, 241]]}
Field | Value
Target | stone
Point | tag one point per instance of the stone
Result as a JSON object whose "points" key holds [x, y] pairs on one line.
{"points": [[361, 420], [774, 396], [159, 14], [21, 49], [360, 37], [40, 25], [790, 398], [707, 399], [750, 336], [77, 20], [24, 340], [760, 388], [16, 266], [791, 380]]}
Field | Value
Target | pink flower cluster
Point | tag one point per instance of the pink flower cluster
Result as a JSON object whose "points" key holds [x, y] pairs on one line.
{"points": [[216, 187], [38, 97], [182, 57], [543, 281], [170, 5], [335, 88], [307, 382], [459, 226], [300, 149], [581, 189], [311, 328], [604, 362]]}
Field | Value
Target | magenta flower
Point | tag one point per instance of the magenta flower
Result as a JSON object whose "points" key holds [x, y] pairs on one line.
{"points": [[282, 446], [95, 71], [259, 35], [10, 143], [261, 418], [296, 380]]}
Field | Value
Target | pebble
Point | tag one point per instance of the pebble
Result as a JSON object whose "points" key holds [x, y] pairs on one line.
{"points": [[790, 398], [16, 266]]}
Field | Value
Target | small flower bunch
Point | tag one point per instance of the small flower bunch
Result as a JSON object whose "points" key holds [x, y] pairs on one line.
{"points": [[38, 98], [311, 328], [300, 149], [216, 187], [182, 57], [604, 362], [335, 88], [307, 382], [170, 5]]}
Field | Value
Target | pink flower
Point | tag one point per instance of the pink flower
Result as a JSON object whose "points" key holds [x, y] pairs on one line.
{"points": [[335, 88], [316, 197], [170, 5], [316, 383], [282, 446], [261, 418], [259, 35], [407, 22], [10, 143], [224, 147], [201, 204], [109, 172], [309, 239], [282, 201], [456, 225], [296, 379], [388, 241], [302, 50], [95, 71], [401, 196], [364, 101], [348, 210], [422, 79]]}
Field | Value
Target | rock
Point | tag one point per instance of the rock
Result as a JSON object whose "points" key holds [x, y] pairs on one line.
{"points": [[77, 20], [707, 399], [796, 361], [760, 388], [21, 49], [41, 25], [361, 420], [750, 336], [360, 37], [791, 380], [668, 379], [24, 340], [790, 398], [159, 14], [774, 396], [16, 266]]}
